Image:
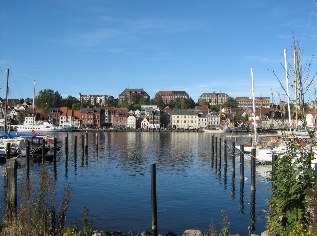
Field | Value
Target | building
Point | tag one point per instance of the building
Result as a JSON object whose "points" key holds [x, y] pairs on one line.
{"points": [[119, 117], [100, 100], [213, 99], [169, 96], [92, 117], [130, 95], [248, 102], [187, 119]]}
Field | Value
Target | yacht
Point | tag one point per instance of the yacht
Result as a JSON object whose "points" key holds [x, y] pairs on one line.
{"points": [[40, 127]]}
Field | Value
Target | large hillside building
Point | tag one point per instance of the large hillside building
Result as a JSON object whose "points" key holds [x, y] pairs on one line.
{"points": [[169, 96], [127, 94], [101, 100], [247, 102], [213, 99]]}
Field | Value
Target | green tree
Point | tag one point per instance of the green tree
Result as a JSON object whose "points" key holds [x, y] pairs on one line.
{"points": [[231, 102], [47, 99], [71, 102]]}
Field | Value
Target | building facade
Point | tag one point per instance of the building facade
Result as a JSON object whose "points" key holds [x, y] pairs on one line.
{"points": [[128, 94], [213, 99], [100, 100], [169, 96], [248, 102]]}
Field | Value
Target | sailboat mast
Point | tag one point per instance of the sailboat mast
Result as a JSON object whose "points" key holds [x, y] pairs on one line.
{"points": [[287, 92], [296, 88], [7, 102], [254, 118], [33, 104]]}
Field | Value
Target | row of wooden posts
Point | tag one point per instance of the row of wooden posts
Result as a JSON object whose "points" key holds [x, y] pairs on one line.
{"points": [[216, 156]]}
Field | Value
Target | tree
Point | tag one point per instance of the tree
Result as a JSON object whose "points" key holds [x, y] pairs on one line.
{"points": [[71, 102], [231, 102], [47, 99]]}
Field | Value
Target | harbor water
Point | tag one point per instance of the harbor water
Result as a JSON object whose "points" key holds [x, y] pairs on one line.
{"points": [[114, 182]]}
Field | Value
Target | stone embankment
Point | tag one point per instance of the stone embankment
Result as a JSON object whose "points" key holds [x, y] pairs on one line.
{"points": [[190, 232]]}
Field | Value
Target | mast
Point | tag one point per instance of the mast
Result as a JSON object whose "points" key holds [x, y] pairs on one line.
{"points": [[33, 104], [287, 92], [254, 118], [296, 88], [6, 103]]}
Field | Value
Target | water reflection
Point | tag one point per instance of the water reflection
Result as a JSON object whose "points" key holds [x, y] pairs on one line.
{"points": [[115, 183]]}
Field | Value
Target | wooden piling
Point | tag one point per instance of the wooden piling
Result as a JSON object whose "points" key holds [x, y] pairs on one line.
{"points": [[233, 158], [8, 151], [153, 198], [242, 162], [253, 155], [66, 145], [55, 151], [220, 154], [86, 142], [11, 186], [216, 153], [225, 152], [212, 150], [75, 147], [43, 151], [83, 143], [28, 159]]}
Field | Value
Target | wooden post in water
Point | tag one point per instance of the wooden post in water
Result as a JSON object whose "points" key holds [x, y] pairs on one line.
{"points": [[233, 158], [242, 162], [75, 147], [83, 143], [11, 186], [28, 159], [216, 153], [153, 198], [86, 143], [66, 145], [225, 152], [253, 154], [8, 148], [212, 150], [43, 151], [220, 153], [55, 151], [97, 140]]}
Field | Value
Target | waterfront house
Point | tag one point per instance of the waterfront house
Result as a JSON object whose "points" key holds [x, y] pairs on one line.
{"points": [[119, 117], [91, 117], [185, 119], [145, 123], [131, 122], [214, 119]]}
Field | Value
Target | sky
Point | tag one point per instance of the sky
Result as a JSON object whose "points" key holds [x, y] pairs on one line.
{"points": [[105, 46]]}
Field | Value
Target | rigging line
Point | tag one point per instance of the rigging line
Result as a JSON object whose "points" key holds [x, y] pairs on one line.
{"points": [[310, 17]]}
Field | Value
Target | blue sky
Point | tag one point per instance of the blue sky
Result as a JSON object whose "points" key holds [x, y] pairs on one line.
{"points": [[105, 46]]}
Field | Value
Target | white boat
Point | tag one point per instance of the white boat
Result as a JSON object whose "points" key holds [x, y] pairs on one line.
{"points": [[219, 130], [40, 127]]}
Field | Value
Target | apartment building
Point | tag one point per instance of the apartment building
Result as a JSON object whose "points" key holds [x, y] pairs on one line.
{"points": [[130, 94], [100, 100], [244, 102], [187, 119], [169, 96], [213, 99]]}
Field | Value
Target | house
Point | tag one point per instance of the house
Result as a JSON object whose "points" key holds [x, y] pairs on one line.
{"points": [[214, 119], [131, 122], [91, 117], [145, 123], [186, 119], [119, 117]]}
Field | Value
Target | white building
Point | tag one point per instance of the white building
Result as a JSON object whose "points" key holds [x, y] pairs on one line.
{"points": [[188, 119], [145, 123], [131, 122], [214, 119]]}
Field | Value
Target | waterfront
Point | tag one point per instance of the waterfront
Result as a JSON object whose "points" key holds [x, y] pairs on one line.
{"points": [[114, 183]]}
